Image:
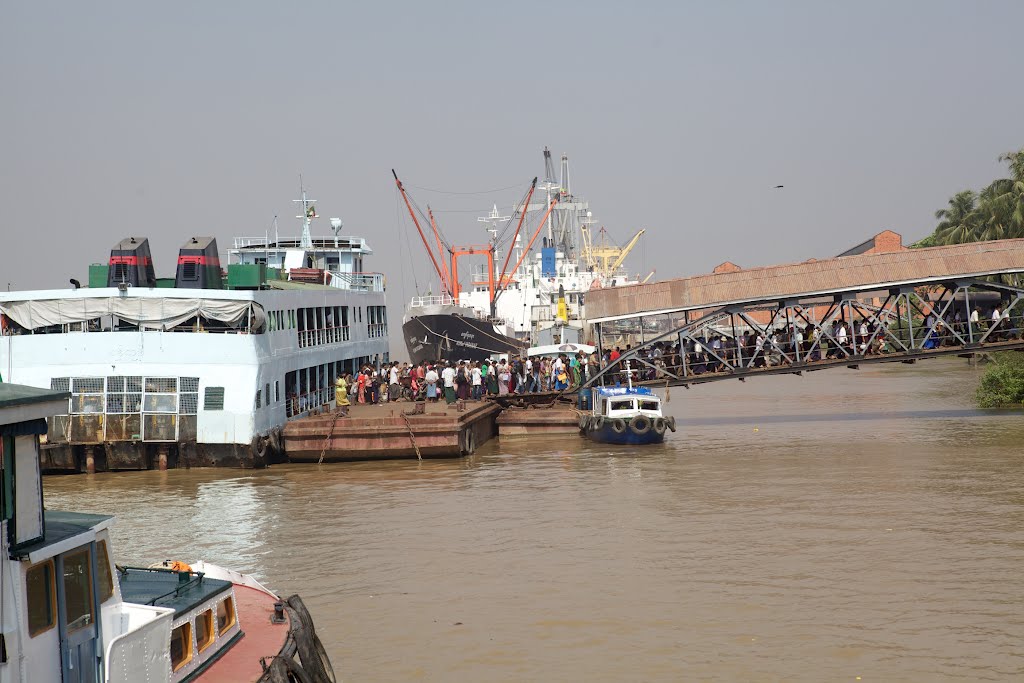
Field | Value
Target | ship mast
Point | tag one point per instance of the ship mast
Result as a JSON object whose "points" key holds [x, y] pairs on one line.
{"points": [[308, 214], [494, 217]]}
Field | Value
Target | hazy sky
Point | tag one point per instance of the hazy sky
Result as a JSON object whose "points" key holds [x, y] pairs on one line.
{"points": [[169, 120]]}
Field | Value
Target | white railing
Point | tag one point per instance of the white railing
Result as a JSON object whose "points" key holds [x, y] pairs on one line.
{"points": [[442, 300], [376, 330], [297, 405], [328, 335], [362, 282], [323, 241]]}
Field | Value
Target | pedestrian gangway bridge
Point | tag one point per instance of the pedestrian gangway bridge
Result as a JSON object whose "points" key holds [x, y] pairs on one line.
{"points": [[900, 306]]}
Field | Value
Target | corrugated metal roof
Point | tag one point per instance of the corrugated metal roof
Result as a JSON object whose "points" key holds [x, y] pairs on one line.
{"points": [[791, 280]]}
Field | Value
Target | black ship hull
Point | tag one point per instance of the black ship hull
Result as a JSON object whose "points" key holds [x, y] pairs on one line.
{"points": [[454, 337]]}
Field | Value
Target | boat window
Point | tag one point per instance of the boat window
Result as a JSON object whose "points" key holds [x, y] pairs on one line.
{"points": [[42, 598], [204, 630], [181, 646], [213, 399], [621, 405], [277, 391], [648, 405], [225, 615], [266, 392], [258, 392], [78, 590], [103, 572]]}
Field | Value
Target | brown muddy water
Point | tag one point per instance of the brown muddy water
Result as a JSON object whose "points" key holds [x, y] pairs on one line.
{"points": [[839, 525]]}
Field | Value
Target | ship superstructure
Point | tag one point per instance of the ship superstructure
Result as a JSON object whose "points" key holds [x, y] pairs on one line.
{"points": [[541, 299], [196, 369]]}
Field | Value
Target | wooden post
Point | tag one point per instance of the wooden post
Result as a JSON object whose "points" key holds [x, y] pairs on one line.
{"points": [[161, 457], [90, 460]]}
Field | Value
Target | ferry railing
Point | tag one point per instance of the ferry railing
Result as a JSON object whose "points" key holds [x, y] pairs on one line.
{"points": [[310, 400], [362, 282], [323, 242], [326, 335]]}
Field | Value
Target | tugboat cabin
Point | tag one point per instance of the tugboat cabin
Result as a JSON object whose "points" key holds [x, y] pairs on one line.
{"points": [[620, 402], [63, 618]]}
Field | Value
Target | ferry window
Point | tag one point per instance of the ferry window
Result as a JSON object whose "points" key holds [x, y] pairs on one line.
{"points": [[277, 390], [204, 630], [103, 572], [78, 590], [213, 399], [225, 615], [266, 392], [621, 405], [360, 314], [272, 322], [648, 405], [258, 392], [181, 646], [42, 598]]}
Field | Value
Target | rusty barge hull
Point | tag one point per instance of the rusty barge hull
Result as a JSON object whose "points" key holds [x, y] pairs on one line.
{"points": [[559, 420], [389, 432]]}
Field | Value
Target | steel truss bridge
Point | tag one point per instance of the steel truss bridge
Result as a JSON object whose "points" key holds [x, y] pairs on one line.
{"points": [[874, 323]]}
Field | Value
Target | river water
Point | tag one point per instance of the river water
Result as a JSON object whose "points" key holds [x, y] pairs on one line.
{"points": [[839, 525]]}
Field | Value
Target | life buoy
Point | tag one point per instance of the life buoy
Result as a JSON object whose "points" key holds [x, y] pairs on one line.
{"points": [[670, 422], [658, 424], [640, 425], [618, 425]]}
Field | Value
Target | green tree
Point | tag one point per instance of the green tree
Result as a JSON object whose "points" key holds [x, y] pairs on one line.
{"points": [[1002, 385], [958, 222], [996, 212]]}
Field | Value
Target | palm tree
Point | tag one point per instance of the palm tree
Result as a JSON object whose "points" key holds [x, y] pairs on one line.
{"points": [[958, 221]]}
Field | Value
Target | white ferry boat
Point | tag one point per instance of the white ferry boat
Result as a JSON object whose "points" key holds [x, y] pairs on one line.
{"points": [[540, 300], [196, 369], [71, 615]]}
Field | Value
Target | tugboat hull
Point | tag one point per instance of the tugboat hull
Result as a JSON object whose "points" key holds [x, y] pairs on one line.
{"points": [[640, 431]]}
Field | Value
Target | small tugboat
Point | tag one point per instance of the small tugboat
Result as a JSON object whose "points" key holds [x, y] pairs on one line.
{"points": [[625, 416], [71, 615]]}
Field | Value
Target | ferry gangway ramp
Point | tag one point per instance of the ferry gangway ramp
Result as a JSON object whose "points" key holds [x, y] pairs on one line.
{"points": [[900, 306]]}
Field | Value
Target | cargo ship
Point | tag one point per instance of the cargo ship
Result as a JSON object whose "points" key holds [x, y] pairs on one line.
{"points": [[204, 368], [522, 297]]}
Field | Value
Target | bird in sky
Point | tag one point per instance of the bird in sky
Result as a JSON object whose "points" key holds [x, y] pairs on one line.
{"points": [[779, 187]]}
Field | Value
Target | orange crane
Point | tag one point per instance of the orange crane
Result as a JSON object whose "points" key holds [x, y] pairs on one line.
{"points": [[450, 276]]}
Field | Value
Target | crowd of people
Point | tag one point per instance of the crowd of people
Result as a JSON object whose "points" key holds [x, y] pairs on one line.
{"points": [[465, 380]]}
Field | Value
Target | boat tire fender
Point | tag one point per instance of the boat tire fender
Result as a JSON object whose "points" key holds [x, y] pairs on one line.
{"points": [[468, 442], [584, 421], [598, 422], [641, 424], [315, 663], [305, 620], [670, 422], [260, 444], [658, 424], [618, 425]]}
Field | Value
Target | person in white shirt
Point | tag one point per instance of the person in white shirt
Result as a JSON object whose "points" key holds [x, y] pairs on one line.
{"points": [[476, 377], [448, 377], [431, 379], [394, 390]]}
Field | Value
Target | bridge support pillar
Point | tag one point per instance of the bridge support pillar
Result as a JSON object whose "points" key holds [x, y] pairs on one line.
{"points": [[90, 460], [161, 457]]}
